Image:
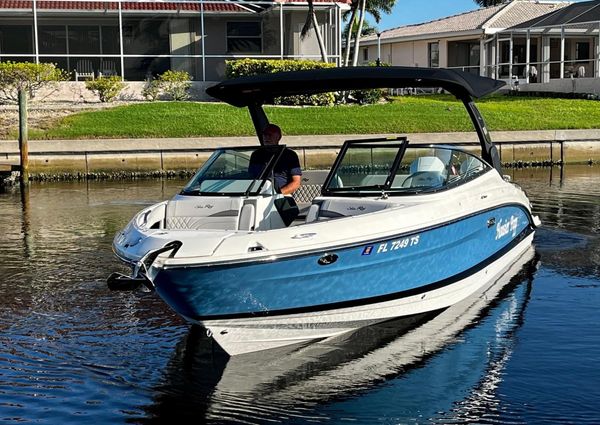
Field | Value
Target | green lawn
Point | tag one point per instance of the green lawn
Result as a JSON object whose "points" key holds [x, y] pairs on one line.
{"points": [[402, 115]]}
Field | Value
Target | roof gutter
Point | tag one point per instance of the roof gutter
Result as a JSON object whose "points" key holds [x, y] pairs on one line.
{"points": [[430, 36]]}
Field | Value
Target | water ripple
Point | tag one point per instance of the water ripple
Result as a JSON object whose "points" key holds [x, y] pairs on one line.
{"points": [[72, 352]]}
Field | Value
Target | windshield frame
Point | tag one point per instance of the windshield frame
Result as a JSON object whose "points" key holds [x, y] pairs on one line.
{"points": [[265, 175], [386, 189]]}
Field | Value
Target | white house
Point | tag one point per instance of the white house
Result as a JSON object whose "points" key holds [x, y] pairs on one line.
{"points": [[472, 41]]}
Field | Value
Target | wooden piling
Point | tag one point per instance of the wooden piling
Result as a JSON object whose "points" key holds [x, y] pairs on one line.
{"points": [[23, 137]]}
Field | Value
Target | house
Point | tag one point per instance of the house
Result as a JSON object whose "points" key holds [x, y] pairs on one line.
{"points": [[473, 41], [137, 39], [559, 51]]}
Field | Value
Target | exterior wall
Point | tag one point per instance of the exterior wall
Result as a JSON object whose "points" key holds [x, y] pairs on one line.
{"points": [[566, 85], [443, 53], [75, 92], [403, 54], [294, 21], [411, 53]]}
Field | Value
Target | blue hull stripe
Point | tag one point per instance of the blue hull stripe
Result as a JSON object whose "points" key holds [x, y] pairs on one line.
{"points": [[365, 274], [378, 299]]}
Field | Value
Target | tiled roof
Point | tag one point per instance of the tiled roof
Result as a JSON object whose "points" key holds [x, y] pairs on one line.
{"points": [[100, 5], [137, 5], [500, 16], [588, 11], [521, 11]]}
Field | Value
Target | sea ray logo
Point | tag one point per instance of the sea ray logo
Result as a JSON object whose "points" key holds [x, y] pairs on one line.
{"points": [[304, 235], [505, 227], [209, 206]]}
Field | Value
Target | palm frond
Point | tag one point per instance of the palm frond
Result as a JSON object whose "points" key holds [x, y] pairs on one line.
{"points": [[308, 23]]}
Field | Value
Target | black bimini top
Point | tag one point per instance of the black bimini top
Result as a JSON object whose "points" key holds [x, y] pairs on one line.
{"points": [[260, 89]]}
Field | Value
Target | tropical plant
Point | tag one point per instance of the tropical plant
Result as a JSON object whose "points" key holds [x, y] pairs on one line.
{"points": [[107, 88], [367, 29], [28, 77], [357, 12], [151, 90], [175, 84]]}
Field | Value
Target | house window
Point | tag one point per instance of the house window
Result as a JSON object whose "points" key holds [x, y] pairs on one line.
{"points": [[84, 39], [366, 55], [434, 55], [582, 51], [16, 39], [244, 37], [52, 39]]}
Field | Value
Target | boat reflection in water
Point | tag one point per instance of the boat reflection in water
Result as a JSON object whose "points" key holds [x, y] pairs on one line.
{"points": [[442, 366]]}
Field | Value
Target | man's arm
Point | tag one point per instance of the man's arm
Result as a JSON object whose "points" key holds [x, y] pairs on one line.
{"points": [[292, 186]]}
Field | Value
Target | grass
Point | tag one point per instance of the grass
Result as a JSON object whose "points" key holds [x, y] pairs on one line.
{"points": [[411, 114]]}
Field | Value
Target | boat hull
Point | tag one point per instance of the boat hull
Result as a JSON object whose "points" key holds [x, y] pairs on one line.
{"points": [[245, 335], [281, 301]]}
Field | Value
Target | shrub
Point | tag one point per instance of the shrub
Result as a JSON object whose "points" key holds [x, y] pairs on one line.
{"points": [[151, 90], [175, 84], [368, 97], [246, 67], [107, 88], [16, 76]]}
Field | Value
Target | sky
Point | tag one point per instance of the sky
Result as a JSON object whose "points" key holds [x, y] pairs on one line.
{"points": [[417, 11]]}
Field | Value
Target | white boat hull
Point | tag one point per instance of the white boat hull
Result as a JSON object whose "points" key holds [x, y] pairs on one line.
{"points": [[245, 335]]}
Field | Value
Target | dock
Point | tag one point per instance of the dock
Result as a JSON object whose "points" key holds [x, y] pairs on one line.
{"points": [[65, 159]]}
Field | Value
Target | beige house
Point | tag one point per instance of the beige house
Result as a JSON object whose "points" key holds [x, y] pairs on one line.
{"points": [[472, 41]]}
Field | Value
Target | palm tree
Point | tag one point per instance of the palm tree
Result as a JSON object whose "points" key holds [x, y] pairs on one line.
{"points": [[367, 28], [376, 8], [311, 21]]}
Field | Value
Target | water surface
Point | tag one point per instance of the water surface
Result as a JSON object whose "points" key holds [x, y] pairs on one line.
{"points": [[70, 350]]}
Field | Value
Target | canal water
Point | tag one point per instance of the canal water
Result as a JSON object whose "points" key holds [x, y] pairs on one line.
{"points": [[71, 351]]}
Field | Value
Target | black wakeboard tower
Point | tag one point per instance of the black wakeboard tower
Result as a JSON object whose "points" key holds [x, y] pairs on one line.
{"points": [[254, 91]]}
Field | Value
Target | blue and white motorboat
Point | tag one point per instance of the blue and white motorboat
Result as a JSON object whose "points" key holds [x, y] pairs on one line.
{"points": [[398, 230]]}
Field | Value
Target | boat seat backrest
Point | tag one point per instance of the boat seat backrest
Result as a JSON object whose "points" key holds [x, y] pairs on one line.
{"points": [[247, 217], [426, 171], [336, 208], [427, 163], [313, 213], [196, 212]]}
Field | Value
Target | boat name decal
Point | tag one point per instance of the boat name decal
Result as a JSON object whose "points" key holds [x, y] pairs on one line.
{"points": [[209, 206], [504, 227], [359, 208], [304, 235], [393, 245]]}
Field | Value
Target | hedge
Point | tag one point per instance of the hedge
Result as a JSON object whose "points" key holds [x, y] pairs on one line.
{"points": [[246, 67]]}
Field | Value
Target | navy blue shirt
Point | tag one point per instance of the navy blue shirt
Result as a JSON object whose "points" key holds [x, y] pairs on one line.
{"points": [[287, 166]]}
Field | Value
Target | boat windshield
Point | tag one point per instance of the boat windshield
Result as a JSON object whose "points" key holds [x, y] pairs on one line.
{"points": [[237, 171], [364, 168]]}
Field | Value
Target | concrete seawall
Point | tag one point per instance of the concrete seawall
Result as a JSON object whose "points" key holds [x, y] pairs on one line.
{"points": [[52, 157]]}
